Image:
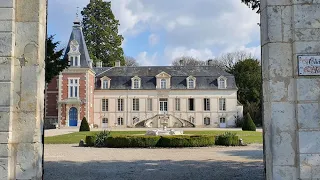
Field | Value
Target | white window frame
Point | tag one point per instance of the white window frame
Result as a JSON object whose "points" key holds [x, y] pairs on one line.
{"points": [[149, 104], [105, 120], [135, 104], [191, 81], [120, 103], [104, 105], [163, 84], [75, 60], [222, 82], [120, 121], [224, 120], [105, 84], [177, 104], [135, 82], [73, 84], [206, 121], [206, 104], [222, 104]]}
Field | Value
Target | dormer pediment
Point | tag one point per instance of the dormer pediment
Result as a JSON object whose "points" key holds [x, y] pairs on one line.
{"points": [[191, 77], [105, 78], [163, 75], [222, 77], [135, 77]]}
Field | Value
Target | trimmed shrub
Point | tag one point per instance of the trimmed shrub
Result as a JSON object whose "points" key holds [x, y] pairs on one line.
{"points": [[186, 141], [248, 124], [239, 122], [227, 139], [101, 138], [159, 141], [84, 125], [90, 141], [132, 141]]}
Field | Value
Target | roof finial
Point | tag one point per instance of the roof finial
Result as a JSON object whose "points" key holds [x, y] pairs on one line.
{"points": [[77, 21]]}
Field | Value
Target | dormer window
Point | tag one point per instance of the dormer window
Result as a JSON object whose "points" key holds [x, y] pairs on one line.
{"points": [[163, 84], [105, 82], [163, 80], [191, 82], [136, 82], [74, 61], [74, 54], [222, 82]]}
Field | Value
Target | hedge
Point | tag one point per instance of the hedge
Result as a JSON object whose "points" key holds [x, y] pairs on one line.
{"points": [[84, 125], [132, 141], [141, 141], [227, 139], [90, 141], [186, 141]]}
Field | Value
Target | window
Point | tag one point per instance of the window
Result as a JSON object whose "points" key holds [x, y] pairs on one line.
{"points": [[191, 119], [222, 104], [191, 104], [222, 120], [206, 121], [73, 88], [149, 104], [206, 104], [105, 120], [120, 121], [136, 84], [191, 83], [105, 105], [177, 104], [120, 104], [105, 84], [135, 104], [222, 83], [163, 84], [74, 60]]}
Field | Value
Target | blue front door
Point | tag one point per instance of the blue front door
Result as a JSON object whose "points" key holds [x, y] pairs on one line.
{"points": [[73, 117]]}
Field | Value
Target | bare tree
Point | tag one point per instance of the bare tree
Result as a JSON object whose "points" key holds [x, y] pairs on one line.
{"points": [[130, 61], [187, 61], [228, 60]]}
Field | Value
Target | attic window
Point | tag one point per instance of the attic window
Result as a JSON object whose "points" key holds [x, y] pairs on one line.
{"points": [[222, 82], [163, 84], [136, 82], [105, 82], [74, 61], [191, 82]]}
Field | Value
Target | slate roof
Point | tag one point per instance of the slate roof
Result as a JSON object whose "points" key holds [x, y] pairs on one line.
{"points": [[77, 35], [206, 77]]}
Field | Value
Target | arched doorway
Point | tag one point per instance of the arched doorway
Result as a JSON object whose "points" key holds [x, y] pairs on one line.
{"points": [[73, 116]]}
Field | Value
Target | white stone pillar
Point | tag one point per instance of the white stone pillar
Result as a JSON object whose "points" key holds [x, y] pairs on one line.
{"points": [[22, 54], [291, 102]]}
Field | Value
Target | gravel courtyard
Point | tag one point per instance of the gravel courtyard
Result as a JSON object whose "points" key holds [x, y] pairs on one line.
{"points": [[218, 163]]}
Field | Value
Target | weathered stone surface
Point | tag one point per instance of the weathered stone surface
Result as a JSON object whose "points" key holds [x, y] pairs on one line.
{"points": [[6, 44], [5, 88], [5, 150], [25, 7], [6, 14], [6, 26], [310, 165], [6, 3], [5, 121], [280, 60], [5, 137], [309, 142], [27, 128], [308, 89], [284, 173], [282, 90], [283, 148], [309, 116], [4, 165]]}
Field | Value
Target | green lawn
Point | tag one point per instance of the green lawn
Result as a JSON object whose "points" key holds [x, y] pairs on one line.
{"points": [[74, 138]]}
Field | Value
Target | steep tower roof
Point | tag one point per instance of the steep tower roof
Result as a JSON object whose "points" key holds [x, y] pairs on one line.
{"points": [[78, 37]]}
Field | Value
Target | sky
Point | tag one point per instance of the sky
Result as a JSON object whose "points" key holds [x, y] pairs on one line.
{"points": [[157, 31]]}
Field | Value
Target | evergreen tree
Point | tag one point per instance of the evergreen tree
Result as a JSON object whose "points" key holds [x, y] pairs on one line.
{"points": [[84, 125], [248, 124], [100, 29], [253, 4], [53, 61]]}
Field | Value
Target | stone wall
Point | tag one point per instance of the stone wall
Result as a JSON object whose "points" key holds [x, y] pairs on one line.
{"points": [[291, 102], [22, 54]]}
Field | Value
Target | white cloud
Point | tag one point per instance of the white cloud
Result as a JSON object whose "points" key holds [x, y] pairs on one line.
{"points": [[153, 39], [145, 60], [201, 54]]}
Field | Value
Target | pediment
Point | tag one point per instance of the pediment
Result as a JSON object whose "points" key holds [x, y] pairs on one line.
{"points": [[105, 78], [222, 77], [135, 77], [191, 77], [163, 75]]}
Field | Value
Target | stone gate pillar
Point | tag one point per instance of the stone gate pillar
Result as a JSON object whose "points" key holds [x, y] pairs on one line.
{"points": [[290, 29], [22, 78]]}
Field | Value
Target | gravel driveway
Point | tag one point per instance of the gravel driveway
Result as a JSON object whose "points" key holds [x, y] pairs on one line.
{"points": [[218, 163]]}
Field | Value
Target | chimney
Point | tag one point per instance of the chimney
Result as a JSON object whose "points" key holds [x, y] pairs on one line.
{"points": [[118, 64], [99, 64], [210, 62], [181, 62]]}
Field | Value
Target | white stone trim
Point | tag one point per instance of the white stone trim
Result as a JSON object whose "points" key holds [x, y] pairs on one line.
{"points": [[132, 82], [78, 85], [194, 82], [225, 82]]}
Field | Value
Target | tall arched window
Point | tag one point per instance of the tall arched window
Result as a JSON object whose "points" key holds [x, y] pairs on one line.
{"points": [[163, 84]]}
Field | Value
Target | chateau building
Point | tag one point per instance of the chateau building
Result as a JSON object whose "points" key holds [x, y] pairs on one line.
{"points": [[147, 96]]}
